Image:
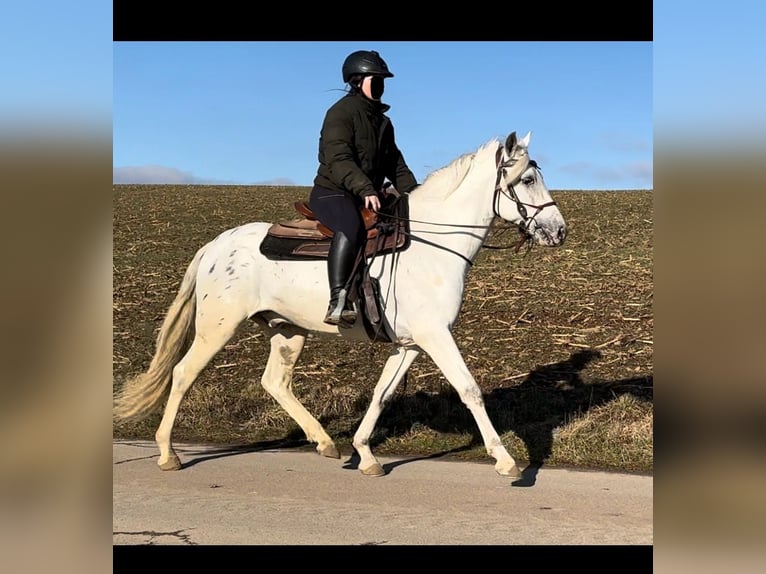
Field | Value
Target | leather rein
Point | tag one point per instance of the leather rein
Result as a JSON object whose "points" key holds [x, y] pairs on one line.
{"points": [[508, 191]]}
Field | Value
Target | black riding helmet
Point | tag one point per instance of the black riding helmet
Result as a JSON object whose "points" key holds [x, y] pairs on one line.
{"points": [[365, 63]]}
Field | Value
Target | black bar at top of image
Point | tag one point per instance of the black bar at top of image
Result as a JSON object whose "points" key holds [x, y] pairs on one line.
{"points": [[139, 20]]}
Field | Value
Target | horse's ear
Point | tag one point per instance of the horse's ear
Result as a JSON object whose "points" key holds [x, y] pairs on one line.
{"points": [[525, 140], [510, 143]]}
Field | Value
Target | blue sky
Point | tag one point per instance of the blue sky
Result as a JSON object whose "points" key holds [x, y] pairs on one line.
{"points": [[232, 112], [251, 112]]}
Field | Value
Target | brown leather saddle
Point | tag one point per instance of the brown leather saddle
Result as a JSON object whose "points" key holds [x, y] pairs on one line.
{"points": [[307, 238]]}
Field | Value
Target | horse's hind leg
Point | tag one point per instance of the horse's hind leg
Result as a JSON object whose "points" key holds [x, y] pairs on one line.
{"points": [[444, 352], [393, 371], [201, 351], [286, 347]]}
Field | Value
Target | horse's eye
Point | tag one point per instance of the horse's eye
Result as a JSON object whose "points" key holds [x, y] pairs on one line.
{"points": [[528, 180]]}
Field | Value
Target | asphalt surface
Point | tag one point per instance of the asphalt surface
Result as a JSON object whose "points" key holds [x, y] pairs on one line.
{"points": [[296, 497]]}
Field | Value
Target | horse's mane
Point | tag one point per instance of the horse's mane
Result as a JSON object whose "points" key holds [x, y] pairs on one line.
{"points": [[444, 180]]}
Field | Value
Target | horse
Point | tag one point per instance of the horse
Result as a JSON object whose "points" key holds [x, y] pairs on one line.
{"points": [[229, 280]]}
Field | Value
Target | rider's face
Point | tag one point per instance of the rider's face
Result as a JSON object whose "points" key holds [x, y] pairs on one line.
{"points": [[372, 87]]}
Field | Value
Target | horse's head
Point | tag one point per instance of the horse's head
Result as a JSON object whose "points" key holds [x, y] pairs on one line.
{"points": [[521, 196]]}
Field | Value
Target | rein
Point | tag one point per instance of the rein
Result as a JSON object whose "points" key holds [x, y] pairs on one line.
{"points": [[523, 227], [524, 237], [394, 217], [508, 191]]}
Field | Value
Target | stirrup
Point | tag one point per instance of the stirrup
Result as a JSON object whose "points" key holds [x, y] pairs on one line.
{"points": [[347, 317], [344, 318], [340, 313]]}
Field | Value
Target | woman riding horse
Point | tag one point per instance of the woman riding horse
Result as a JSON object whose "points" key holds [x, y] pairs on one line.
{"points": [[357, 152]]}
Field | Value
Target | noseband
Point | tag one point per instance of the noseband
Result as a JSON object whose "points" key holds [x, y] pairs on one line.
{"points": [[511, 194]]}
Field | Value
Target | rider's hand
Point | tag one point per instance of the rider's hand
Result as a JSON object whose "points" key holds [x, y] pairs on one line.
{"points": [[372, 202]]}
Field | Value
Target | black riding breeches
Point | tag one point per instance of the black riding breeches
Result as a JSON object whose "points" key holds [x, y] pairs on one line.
{"points": [[340, 211]]}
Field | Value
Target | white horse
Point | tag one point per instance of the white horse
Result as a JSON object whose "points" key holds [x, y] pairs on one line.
{"points": [[229, 280]]}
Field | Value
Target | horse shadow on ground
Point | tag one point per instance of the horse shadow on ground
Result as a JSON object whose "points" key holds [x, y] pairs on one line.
{"points": [[293, 441], [549, 396]]}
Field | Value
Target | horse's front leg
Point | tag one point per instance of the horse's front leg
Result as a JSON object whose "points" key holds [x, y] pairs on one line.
{"points": [[441, 347], [393, 372]]}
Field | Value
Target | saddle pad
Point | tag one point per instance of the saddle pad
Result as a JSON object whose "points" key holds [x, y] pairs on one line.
{"points": [[291, 248]]}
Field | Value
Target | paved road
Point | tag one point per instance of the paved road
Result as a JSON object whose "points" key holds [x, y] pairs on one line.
{"points": [[296, 497]]}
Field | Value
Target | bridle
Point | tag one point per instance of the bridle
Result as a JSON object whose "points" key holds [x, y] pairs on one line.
{"points": [[509, 192]]}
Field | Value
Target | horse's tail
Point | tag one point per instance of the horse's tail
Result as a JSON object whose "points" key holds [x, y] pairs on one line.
{"points": [[143, 394]]}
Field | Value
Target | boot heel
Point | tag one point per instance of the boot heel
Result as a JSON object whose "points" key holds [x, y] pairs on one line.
{"points": [[336, 311]]}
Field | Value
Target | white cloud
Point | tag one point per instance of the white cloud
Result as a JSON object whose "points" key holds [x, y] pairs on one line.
{"points": [[157, 174], [152, 174]]}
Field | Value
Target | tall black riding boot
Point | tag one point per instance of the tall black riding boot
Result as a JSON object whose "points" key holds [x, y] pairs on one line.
{"points": [[340, 264]]}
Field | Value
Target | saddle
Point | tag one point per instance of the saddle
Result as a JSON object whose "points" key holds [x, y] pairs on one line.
{"points": [[307, 238]]}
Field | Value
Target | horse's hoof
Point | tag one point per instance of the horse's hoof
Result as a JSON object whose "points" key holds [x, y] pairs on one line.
{"points": [[173, 463], [373, 470], [329, 451], [512, 472]]}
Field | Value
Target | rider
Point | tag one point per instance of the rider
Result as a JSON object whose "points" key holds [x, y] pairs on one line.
{"points": [[357, 152]]}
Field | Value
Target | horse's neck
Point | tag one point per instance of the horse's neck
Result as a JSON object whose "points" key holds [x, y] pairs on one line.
{"points": [[460, 221]]}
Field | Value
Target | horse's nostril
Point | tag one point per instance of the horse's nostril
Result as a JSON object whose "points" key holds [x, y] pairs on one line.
{"points": [[562, 233]]}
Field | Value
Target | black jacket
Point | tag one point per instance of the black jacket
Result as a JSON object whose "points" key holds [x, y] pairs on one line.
{"points": [[357, 149]]}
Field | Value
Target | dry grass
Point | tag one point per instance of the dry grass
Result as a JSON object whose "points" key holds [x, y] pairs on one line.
{"points": [[560, 341]]}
